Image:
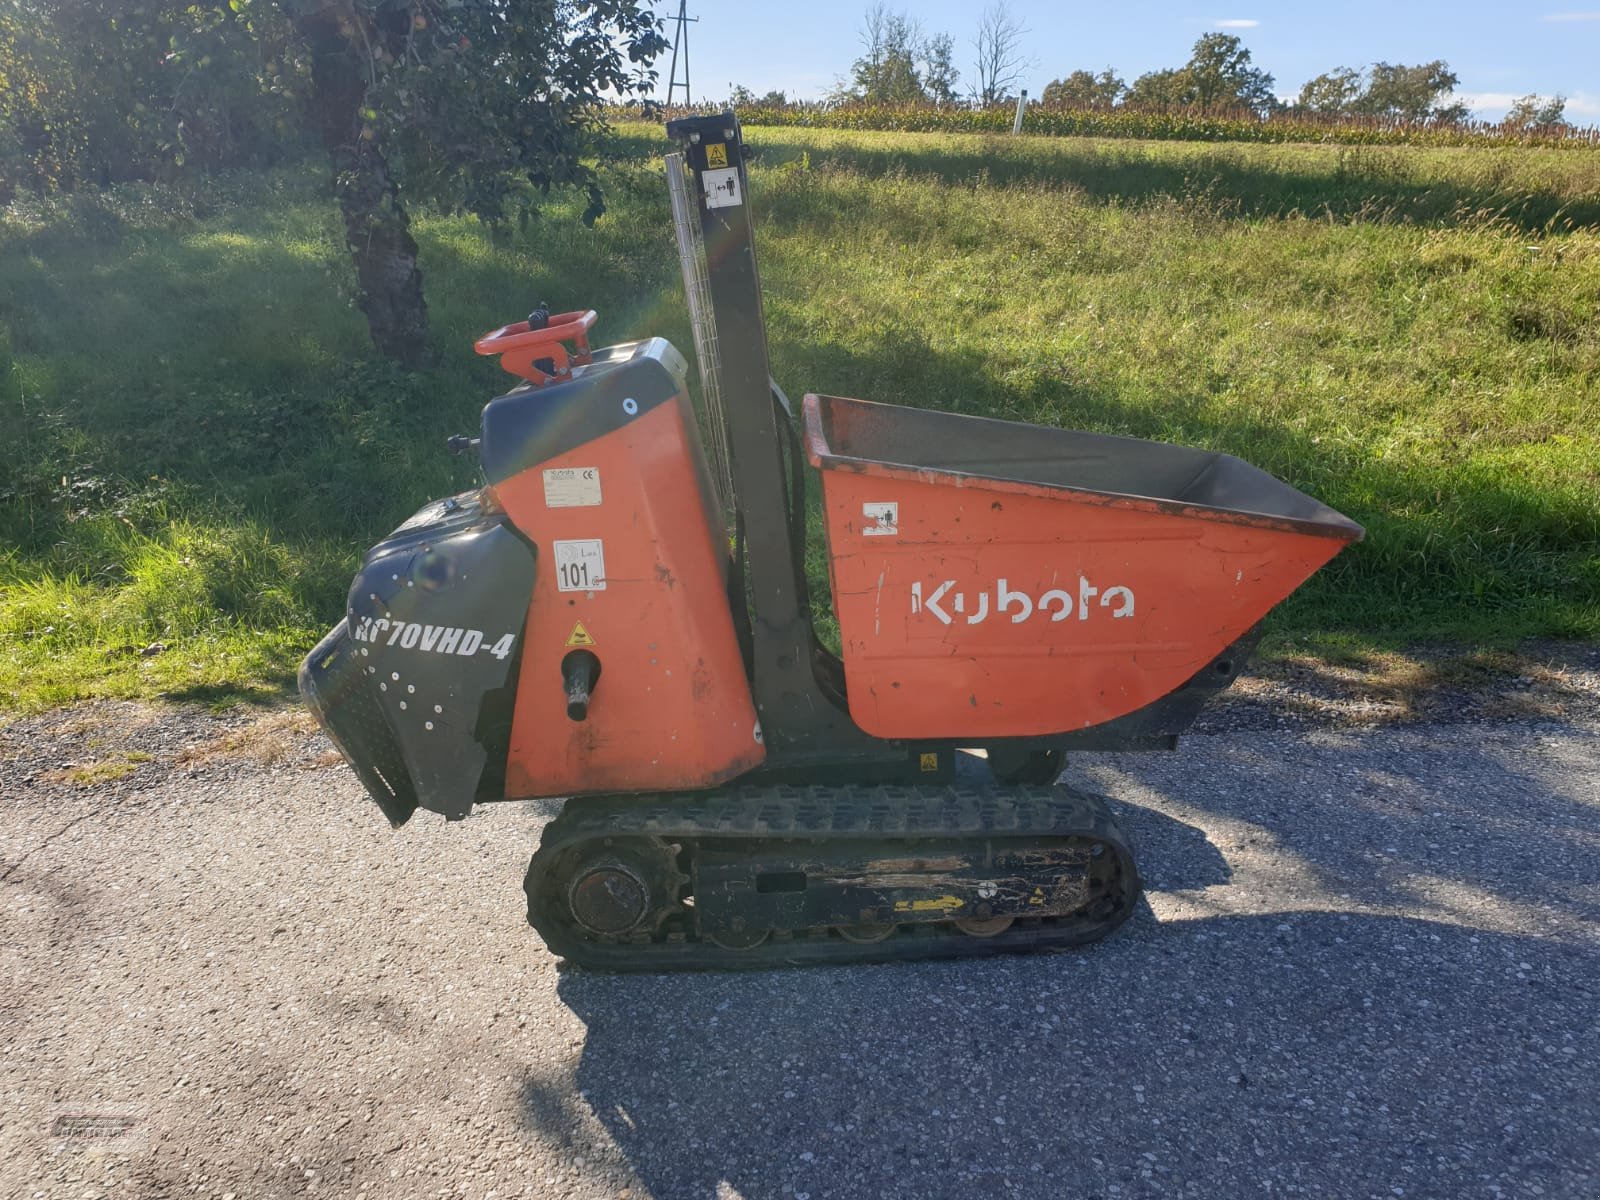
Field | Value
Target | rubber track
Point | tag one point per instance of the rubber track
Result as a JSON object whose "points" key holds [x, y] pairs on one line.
{"points": [[887, 817]]}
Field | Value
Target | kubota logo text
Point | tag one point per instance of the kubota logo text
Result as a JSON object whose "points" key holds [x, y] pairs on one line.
{"points": [[945, 604]]}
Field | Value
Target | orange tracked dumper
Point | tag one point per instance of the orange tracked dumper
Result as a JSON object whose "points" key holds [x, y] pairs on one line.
{"points": [[619, 617]]}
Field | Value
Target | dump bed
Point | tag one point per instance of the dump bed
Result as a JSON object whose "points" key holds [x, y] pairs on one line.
{"points": [[997, 579]]}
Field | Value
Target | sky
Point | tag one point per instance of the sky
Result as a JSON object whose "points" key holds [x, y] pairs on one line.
{"points": [[1500, 51]]}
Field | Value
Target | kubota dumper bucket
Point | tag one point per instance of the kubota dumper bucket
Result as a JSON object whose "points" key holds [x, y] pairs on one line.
{"points": [[997, 579]]}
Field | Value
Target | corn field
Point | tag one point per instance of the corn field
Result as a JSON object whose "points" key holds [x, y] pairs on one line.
{"points": [[1165, 125]]}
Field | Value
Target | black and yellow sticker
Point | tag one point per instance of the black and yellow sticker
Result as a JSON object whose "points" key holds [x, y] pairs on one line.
{"points": [[716, 154], [579, 637], [929, 762], [938, 904]]}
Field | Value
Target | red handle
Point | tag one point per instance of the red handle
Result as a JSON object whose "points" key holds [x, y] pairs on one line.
{"points": [[519, 347]]}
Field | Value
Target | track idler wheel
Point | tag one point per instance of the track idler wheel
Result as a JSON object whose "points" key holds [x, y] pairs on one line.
{"points": [[626, 887], [608, 898]]}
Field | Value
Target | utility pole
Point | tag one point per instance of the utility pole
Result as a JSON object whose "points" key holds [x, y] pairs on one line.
{"points": [[680, 37]]}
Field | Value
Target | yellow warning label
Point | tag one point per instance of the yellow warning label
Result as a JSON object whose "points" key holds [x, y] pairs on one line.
{"points": [[579, 636], [716, 154], [932, 904], [930, 762]]}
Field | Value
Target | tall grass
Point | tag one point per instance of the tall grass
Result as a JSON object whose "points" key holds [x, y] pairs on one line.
{"points": [[200, 444]]}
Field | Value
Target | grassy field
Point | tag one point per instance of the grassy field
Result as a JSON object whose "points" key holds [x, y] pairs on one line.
{"points": [[199, 444]]}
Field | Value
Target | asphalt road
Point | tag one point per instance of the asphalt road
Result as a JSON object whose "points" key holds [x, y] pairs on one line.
{"points": [[1368, 966]]}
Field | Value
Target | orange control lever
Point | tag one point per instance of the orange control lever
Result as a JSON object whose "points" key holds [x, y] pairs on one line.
{"points": [[520, 347]]}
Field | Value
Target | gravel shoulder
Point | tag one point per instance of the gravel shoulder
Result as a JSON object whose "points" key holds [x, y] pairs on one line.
{"points": [[1368, 966]]}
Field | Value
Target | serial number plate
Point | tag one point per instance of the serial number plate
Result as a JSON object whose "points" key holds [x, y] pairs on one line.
{"points": [[571, 487]]}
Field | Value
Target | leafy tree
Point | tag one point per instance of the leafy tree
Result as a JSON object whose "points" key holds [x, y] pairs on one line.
{"points": [[93, 91], [481, 105], [887, 72], [742, 97], [1537, 112], [1220, 76], [1217, 75], [1391, 91], [1418, 93], [1334, 91], [939, 75], [1084, 89], [476, 105], [1160, 89], [1001, 57], [40, 137]]}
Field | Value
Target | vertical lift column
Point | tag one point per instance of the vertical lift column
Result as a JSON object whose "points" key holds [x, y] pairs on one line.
{"points": [[801, 721]]}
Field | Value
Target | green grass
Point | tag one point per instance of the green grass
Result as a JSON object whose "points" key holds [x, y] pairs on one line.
{"points": [[199, 443]]}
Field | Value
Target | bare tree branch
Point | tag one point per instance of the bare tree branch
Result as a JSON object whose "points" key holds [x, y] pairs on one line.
{"points": [[1001, 58]]}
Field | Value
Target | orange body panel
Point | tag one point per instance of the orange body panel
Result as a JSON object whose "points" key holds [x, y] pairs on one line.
{"points": [[979, 607], [672, 708]]}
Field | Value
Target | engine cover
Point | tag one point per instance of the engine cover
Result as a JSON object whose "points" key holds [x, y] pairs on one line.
{"points": [[414, 685], [606, 475]]}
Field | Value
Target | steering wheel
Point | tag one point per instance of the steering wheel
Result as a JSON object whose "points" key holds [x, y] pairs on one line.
{"points": [[540, 355]]}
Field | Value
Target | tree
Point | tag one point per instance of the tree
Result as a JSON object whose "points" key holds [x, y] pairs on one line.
{"points": [[475, 105], [1389, 91], [1160, 89], [887, 73], [1401, 93], [95, 91], [1536, 112], [740, 96], [1217, 75], [939, 74], [1332, 92], [1001, 58], [1220, 76], [1083, 89]]}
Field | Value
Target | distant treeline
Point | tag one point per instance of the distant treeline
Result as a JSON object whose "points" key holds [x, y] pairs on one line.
{"points": [[1194, 124], [906, 69]]}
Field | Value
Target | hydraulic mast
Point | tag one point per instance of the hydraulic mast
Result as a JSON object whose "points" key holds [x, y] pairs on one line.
{"points": [[802, 719]]}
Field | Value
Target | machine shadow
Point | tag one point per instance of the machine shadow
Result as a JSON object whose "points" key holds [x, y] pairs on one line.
{"points": [[1171, 854], [1489, 828], [1217, 1055]]}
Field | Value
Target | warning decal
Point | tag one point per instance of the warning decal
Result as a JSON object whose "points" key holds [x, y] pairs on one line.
{"points": [[716, 154], [579, 637], [722, 187], [580, 565], [881, 518]]}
